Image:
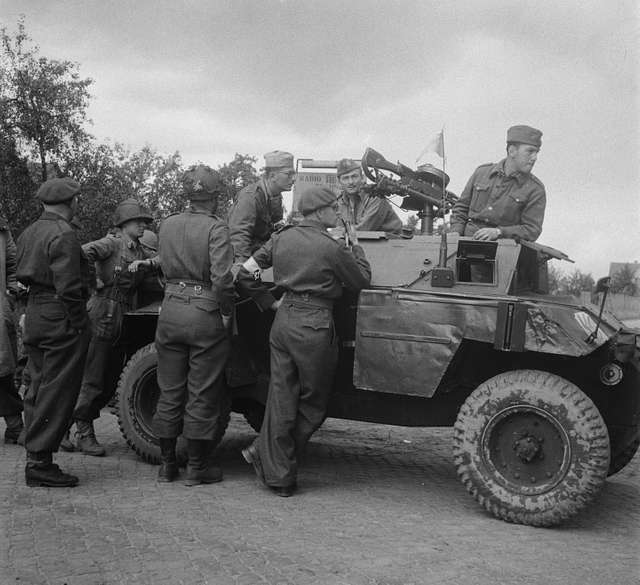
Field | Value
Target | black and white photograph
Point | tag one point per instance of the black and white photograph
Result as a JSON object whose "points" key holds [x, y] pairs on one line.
{"points": [[300, 292]]}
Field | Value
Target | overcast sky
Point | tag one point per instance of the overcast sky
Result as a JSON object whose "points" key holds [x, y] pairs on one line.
{"points": [[325, 79]]}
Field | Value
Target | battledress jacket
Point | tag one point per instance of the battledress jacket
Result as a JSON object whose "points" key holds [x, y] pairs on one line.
{"points": [[369, 213], [252, 219], [306, 259], [49, 258], [514, 203]]}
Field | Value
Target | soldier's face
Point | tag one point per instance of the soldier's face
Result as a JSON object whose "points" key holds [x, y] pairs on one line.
{"points": [[134, 228], [524, 156], [283, 179], [352, 181]]}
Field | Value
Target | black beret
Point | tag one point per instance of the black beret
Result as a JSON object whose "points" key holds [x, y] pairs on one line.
{"points": [[316, 198], [58, 190]]}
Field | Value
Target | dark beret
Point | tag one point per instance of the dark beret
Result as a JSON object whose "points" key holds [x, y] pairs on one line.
{"points": [[525, 135], [316, 198], [201, 182], [58, 190], [346, 165]]}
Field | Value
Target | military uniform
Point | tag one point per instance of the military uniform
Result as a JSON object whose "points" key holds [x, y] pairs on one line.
{"points": [[513, 203], [312, 268], [51, 263], [107, 253], [256, 211], [10, 401], [193, 345], [369, 212]]}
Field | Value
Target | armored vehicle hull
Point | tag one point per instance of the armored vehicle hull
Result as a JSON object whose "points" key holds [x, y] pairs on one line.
{"points": [[543, 395]]}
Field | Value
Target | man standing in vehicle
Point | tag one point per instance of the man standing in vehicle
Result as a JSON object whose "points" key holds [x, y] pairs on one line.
{"points": [[312, 268], [112, 256], [51, 263], [258, 207], [191, 336], [504, 200], [366, 212]]}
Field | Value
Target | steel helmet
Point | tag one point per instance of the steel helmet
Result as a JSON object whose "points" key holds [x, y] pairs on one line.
{"points": [[130, 209]]}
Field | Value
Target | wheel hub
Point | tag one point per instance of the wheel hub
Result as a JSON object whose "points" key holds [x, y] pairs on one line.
{"points": [[527, 448]]}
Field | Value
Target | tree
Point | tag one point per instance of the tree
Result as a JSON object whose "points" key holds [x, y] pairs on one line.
{"points": [[623, 280], [237, 174], [44, 101]]}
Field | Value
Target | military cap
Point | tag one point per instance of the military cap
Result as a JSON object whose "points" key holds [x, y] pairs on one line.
{"points": [[200, 182], [58, 190], [278, 159], [346, 165], [316, 198], [525, 135], [129, 209]]}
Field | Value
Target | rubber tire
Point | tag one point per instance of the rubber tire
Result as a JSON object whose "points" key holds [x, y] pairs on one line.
{"points": [[137, 379], [620, 458], [588, 442], [255, 416]]}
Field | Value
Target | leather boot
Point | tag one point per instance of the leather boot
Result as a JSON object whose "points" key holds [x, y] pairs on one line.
{"points": [[41, 471], [66, 444], [200, 469], [86, 439], [14, 428], [169, 467]]}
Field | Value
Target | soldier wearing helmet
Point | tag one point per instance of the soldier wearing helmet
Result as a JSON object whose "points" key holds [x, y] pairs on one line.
{"points": [[112, 256], [505, 199], [258, 207], [195, 256]]}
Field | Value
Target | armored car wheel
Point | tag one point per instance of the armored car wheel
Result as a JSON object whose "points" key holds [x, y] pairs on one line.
{"points": [[137, 396], [531, 447]]}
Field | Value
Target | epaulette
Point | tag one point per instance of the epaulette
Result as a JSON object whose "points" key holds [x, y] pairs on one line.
{"points": [[283, 228], [536, 180], [486, 165]]}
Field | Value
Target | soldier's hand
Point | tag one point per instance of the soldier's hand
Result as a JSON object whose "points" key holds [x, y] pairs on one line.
{"points": [[136, 264], [353, 234], [226, 321], [21, 322], [276, 304], [487, 234]]}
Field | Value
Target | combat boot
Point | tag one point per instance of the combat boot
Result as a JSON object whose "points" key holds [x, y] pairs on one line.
{"points": [[14, 428], [41, 471], [200, 469], [86, 439], [169, 467], [66, 444]]}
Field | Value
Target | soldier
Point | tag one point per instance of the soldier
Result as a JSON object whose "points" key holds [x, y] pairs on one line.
{"points": [[361, 209], [112, 256], [51, 263], [258, 208], [312, 268], [191, 337], [504, 200], [10, 401]]}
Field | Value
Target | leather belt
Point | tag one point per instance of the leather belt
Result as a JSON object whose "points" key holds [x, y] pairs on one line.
{"points": [[191, 290], [308, 299]]}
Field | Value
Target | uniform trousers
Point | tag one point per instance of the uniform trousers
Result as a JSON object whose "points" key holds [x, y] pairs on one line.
{"points": [[95, 393], [56, 355], [304, 355], [10, 401], [193, 348]]}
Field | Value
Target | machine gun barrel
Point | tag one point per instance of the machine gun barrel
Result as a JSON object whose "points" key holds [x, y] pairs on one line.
{"points": [[394, 187]]}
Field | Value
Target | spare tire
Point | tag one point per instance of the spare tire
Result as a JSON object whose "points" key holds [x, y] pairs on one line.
{"points": [[137, 397]]}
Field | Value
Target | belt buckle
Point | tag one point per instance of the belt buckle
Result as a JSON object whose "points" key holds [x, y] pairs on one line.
{"points": [[182, 285], [197, 289]]}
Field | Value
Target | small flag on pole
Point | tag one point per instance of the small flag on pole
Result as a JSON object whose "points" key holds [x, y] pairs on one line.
{"points": [[435, 144]]}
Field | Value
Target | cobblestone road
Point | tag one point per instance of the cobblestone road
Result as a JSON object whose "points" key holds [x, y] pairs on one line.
{"points": [[377, 505]]}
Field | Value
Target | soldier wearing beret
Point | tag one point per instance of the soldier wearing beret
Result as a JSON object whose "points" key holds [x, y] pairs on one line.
{"points": [[51, 263], [191, 337], [112, 257], [361, 209], [312, 268], [504, 200], [258, 207]]}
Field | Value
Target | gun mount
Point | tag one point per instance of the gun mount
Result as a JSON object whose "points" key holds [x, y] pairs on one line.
{"points": [[421, 190]]}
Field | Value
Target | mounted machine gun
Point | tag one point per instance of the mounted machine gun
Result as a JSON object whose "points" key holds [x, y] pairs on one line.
{"points": [[421, 190]]}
